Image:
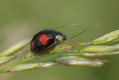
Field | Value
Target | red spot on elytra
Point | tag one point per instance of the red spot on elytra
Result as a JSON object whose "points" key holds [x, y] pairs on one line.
{"points": [[44, 39], [32, 43]]}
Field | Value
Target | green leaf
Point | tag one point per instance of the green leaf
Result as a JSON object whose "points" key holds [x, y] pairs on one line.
{"points": [[78, 61], [6, 59], [99, 49], [107, 38], [30, 66], [12, 50]]}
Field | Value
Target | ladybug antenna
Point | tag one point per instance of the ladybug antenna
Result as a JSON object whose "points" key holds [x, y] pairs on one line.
{"points": [[63, 27], [83, 31], [66, 26]]}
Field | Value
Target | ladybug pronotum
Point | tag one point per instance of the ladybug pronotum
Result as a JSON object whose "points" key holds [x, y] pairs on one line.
{"points": [[45, 41]]}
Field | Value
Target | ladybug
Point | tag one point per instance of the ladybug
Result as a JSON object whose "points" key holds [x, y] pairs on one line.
{"points": [[46, 40]]}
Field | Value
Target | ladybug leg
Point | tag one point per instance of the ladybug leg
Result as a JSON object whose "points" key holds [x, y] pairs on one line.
{"points": [[60, 45], [37, 57], [50, 53]]}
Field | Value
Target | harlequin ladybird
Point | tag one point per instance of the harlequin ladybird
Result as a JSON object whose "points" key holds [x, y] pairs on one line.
{"points": [[46, 40]]}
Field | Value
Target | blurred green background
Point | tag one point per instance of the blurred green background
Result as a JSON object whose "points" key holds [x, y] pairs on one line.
{"points": [[21, 18]]}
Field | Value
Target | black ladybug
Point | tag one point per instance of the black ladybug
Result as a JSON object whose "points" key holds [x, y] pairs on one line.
{"points": [[46, 40]]}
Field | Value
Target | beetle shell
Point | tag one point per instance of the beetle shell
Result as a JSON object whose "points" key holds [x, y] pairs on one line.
{"points": [[46, 40]]}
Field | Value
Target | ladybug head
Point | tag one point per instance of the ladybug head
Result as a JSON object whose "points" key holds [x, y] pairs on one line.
{"points": [[61, 38]]}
